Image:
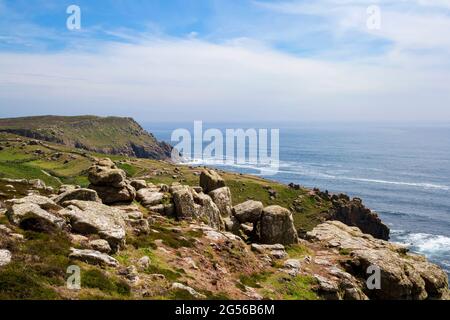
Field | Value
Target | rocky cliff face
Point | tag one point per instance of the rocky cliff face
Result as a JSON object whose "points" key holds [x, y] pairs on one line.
{"points": [[110, 135]]}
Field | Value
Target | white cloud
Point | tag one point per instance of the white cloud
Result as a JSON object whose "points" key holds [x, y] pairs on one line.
{"points": [[172, 79]]}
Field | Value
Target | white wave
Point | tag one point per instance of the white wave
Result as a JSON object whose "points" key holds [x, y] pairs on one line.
{"points": [[401, 183], [289, 167], [424, 243]]}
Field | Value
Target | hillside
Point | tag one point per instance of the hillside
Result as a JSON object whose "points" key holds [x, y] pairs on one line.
{"points": [[165, 235], [110, 135]]}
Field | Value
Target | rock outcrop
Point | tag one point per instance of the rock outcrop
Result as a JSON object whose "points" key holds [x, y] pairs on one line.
{"points": [[37, 213], [402, 275], [352, 212], [88, 217], [110, 183]]}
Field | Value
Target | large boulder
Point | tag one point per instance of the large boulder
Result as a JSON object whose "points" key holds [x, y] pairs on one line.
{"points": [[277, 226], [190, 205], [105, 173], [77, 194], [87, 217], [37, 213], [110, 182], [402, 275], [222, 198], [210, 180], [249, 211]]}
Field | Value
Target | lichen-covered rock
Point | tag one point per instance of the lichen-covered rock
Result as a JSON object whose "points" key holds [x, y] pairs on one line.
{"points": [[93, 257], [100, 245], [149, 197], [277, 226], [110, 182], [249, 211], [210, 180], [191, 291], [222, 199], [5, 257], [77, 194], [95, 218], [35, 213], [119, 193], [403, 275]]}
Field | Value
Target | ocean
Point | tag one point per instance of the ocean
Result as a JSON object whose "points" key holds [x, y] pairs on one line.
{"points": [[400, 171]]}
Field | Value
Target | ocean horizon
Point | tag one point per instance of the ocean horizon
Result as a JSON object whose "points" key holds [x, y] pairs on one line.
{"points": [[401, 171]]}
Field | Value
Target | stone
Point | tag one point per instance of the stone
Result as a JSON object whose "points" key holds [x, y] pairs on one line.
{"points": [[138, 184], [77, 194], [144, 262], [105, 173], [403, 275], [277, 226], [191, 291], [210, 180], [249, 211], [222, 199], [354, 213], [148, 197], [292, 267], [66, 187], [35, 213], [93, 257], [110, 182], [120, 193], [5, 257], [95, 218], [100, 245], [232, 225]]}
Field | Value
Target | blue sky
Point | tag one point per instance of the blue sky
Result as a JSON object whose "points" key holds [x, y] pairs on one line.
{"points": [[227, 60]]}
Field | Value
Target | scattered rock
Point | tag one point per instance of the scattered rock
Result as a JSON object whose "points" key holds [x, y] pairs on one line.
{"points": [[191, 291], [144, 262], [93, 257]]}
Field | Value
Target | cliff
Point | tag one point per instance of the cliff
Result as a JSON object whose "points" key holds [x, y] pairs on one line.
{"points": [[109, 135]]}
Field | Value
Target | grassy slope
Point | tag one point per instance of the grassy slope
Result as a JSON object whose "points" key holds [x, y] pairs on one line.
{"points": [[94, 133], [43, 276]]}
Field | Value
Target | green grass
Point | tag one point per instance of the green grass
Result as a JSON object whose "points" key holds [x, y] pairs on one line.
{"points": [[297, 251], [254, 280], [291, 288], [97, 279], [25, 171]]}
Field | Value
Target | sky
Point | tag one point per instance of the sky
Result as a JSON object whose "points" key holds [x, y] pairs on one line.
{"points": [[228, 60]]}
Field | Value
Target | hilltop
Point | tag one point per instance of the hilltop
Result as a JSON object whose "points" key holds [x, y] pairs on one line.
{"points": [[109, 135]]}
